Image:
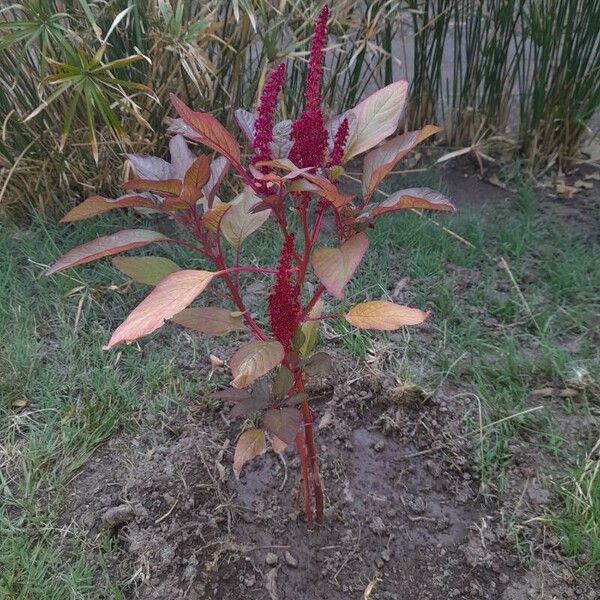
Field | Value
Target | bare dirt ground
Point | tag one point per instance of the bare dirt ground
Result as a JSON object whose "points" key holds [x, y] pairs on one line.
{"points": [[406, 516]]}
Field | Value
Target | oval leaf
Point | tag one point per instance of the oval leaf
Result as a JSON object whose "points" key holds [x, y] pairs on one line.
{"points": [[106, 246], [174, 293], [319, 363], [424, 198], [96, 205], [209, 320], [207, 130], [278, 445], [169, 187], [283, 422], [335, 266], [255, 360], [251, 443], [239, 221], [377, 117], [310, 329], [145, 269], [383, 315], [383, 159]]}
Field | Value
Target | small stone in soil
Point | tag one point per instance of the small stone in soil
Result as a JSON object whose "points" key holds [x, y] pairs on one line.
{"points": [[250, 580], [271, 559], [379, 446], [117, 515], [290, 559], [377, 525]]}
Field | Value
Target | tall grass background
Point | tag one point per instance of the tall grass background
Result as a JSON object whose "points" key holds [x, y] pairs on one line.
{"points": [[82, 81]]}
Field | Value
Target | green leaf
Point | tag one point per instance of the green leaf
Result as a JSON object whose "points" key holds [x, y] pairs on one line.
{"points": [[317, 364], [209, 320], [145, 269]]}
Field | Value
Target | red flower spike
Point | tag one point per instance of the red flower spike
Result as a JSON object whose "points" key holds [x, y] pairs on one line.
{"points": [[308, 132], [283, 304], [312, 91], [263, 128], [339, 144]]}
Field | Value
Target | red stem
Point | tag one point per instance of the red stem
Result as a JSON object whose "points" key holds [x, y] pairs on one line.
{"points": [[305, 481]]}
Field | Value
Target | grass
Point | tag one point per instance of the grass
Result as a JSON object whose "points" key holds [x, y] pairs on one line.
{"points": [[61, 396]]}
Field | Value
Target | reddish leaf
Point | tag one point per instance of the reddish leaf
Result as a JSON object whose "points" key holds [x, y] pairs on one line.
{"points": [[250, 444], [316, 184], [209, 320], [106, 246], [383, 315], [379, 162], [335, 266], [424, 198], [145, 269], [170, 187], [208, 130], [170, 296], [255, 360], [377, 117], [283, 422], [249, 406], [96, 205], [199, 173]]}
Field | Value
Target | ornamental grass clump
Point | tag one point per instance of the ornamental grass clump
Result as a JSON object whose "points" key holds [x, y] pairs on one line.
{"points": [[291, 177]]}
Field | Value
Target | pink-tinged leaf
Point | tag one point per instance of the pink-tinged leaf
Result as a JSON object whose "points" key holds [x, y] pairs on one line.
{"points": [[170, 187], [199, 172], [309, 182], [209, 320], [424, 198], [145, 269], [247, 407], [218, 170], [383, 315], [283, 422], [96, 205], [149, 167], [246, 122], [239, 221], [181, 159], [278, 445], [335, 266], [377, 117], [250, 444], [174, 293], [255, 360], [380, 161], [107, 245], [208, 131]]}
